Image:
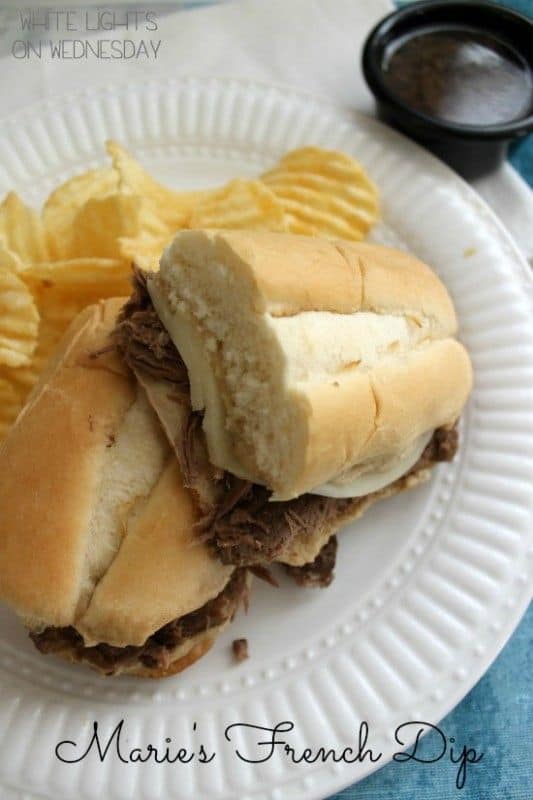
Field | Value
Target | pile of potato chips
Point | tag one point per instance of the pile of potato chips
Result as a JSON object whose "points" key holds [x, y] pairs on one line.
{"points": [[94, 226]]}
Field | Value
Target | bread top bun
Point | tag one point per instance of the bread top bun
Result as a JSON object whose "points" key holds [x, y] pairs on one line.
{"points": [[95, 524], [315, 361]]}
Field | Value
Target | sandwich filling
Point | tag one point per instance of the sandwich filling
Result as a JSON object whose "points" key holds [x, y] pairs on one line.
{"points": [[240, 521], [159, 651]]}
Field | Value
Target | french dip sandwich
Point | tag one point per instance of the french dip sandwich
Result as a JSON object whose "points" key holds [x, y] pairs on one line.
{"points": [[98, 553], [299, 380]]}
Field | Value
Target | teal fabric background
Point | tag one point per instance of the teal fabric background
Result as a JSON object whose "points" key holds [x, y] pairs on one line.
{"points": [[496, 716], [521, 153]]}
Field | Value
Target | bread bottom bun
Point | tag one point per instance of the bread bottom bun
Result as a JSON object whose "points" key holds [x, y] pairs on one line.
{"points": [[184, 656], [177, 666], [164, 653]]}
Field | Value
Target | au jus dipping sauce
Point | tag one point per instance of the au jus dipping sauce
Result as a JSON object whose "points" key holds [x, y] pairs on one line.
{"points": [[459, 75], [456, 76]]}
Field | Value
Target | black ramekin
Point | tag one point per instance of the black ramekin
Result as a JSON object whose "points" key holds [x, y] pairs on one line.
{"points": [[471, 150]]}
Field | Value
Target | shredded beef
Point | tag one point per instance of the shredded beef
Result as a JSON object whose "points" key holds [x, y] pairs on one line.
{"points": [[263, 574], [148, 350], [443, 445], [319, 572], [244, 528], [143, 341], [188, 445], [240, 649], [254, 530], [157, 650]]}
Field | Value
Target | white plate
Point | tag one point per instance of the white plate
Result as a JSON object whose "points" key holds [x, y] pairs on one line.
{"points": [[429, 585]]}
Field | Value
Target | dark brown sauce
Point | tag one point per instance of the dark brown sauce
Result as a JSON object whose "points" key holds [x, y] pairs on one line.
{"points": [[459, 75]]}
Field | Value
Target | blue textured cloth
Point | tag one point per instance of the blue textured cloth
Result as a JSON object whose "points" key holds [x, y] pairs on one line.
{"points": [[521, 153], [496, 716]]}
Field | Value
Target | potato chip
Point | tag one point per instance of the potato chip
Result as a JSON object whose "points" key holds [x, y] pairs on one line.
{"points": [[65, 202], [10, 404], [62, 290], [152, 224], [324, 192], [99, 223], [22, 380], [144, 251], [172, 208], [21, 231], [240, 204], [99, 277], [8, 259], [19, 320]]}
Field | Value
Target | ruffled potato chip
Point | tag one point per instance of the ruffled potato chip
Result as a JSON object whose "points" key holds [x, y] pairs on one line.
{"points": [[22, 233], [172, 208], [324, 192], [100, 222], [23, 379], [18, 383], [19, 320], [240, 204], [62, 290], [63, 205], [145, 251], [11, 402], [57, 282], [8, 259]]}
